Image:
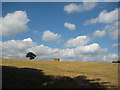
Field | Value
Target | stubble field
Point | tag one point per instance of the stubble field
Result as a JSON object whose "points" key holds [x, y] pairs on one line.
{"points": [[58, 74]]}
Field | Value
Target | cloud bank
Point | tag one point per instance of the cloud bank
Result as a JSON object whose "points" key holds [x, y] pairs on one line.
{"points": [[86, 53]]}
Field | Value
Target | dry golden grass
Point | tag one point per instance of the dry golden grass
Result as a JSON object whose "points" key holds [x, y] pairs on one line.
{"points": [[106, 72]]}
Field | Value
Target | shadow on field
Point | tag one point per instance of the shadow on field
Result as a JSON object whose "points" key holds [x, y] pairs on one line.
{"points": [[13, 77]]}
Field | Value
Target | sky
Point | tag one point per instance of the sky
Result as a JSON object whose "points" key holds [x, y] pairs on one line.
{"points": [[71, 31]]}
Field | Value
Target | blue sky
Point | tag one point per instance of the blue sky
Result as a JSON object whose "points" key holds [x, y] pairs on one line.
{"points": [[57, 26]]}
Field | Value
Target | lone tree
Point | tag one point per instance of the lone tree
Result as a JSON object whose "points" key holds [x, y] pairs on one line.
{"points": [[30, 55]]}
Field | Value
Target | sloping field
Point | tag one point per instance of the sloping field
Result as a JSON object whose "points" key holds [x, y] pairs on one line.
{"points": [[102, 73]]}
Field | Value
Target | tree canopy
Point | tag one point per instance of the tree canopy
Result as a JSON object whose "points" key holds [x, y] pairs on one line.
{"points": [[30, 55]]}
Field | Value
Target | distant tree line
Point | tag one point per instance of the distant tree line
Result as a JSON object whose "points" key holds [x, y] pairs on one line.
{"points": [[116, 61]]}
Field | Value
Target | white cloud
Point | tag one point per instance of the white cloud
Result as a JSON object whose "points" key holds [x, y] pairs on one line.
{"points": [[112, 57], [70, 26], [104, 17], [99, 33], [104, 58], [71, 8], [92, 52], [14, 23], [78, 41], [16, 48], [93, 48], [35, 31], [115, 44], [50, 36], [85, 6], [44, 51], [112, 30], [28, 39], [110, 19]]}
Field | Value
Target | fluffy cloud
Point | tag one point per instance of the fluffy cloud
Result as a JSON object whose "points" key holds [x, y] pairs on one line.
{"points": [[112, 30], [116, 45], [27, 40], [70, 26], [50, 36], [85, 6], [78, 41], [92, 52], [111, 21], [112, 57], [16, 48], [104, 17], [99, 33], [13, 23], [92, 48]]}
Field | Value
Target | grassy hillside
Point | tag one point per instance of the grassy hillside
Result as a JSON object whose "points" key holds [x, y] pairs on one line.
{"points": [[59, 74]]}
